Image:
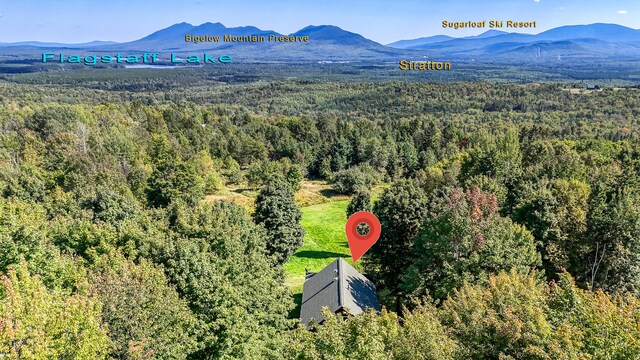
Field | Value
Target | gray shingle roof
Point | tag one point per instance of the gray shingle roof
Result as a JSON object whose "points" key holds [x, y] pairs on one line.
{"points": [[339, 287]]}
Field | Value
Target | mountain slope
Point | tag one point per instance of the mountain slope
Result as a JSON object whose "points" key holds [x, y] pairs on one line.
{"points": [[406, 44], [574, 41], [606, 32], [326, 42], [172, 38], [334, 34], [169, 34], [463, 44]]}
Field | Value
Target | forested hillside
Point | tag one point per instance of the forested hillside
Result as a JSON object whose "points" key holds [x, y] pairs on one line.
{"points": [[511, 220]]}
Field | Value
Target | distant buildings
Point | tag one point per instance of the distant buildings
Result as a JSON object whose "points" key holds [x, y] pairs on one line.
{"points": [[339, 287], [593, 87]]}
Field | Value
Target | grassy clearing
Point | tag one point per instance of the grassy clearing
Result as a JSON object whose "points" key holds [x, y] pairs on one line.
{"points": [[312, 192], [245, 200], [324, 241], [325, 238], [324, 215], [315, 192]]}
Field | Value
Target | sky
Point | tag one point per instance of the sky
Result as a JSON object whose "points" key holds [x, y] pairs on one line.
{"points": [[384, 21]]}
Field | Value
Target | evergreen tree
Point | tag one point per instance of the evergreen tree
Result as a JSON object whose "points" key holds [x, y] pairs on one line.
{"points": [[172, 179], [277, 211], [361, 201]]}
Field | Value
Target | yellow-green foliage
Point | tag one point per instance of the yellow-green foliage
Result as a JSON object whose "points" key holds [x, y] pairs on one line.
{"points": [[36, 323], [608, 326], [376, 336], [519, 317], [504, 320]]}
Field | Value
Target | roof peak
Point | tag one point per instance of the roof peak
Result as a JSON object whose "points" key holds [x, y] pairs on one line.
{"points": [[340, 287]]}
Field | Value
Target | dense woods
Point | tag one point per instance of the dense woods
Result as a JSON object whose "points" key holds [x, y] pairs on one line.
{"points": [[510, 219]]}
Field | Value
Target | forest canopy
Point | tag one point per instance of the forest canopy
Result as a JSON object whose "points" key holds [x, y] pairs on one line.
{"points": [[510, 218]]}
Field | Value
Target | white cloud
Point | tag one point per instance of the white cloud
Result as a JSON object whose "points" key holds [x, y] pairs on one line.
{"points": [[622, 12], [536, 1]]}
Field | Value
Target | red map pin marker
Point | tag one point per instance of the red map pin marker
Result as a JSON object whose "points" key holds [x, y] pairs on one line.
{"points": [[359, 244]]}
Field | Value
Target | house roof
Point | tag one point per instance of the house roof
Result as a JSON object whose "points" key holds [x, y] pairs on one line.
{"points": [[339, 287]]}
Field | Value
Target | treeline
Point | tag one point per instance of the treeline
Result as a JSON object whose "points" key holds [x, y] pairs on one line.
{"points": [[511, 226]]}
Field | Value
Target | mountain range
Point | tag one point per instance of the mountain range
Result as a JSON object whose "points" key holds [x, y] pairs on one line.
{"points": [[572, 41], [327, 42]]}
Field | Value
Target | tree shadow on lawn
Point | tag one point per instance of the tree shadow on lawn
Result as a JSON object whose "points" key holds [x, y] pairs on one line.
{"points": [[312, 254], [330, 193]]}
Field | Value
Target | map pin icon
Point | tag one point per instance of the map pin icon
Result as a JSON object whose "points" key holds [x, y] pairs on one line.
{"points": [[360, 244]]}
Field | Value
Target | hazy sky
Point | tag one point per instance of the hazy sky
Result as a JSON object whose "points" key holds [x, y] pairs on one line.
{"points": [[73, 21]]}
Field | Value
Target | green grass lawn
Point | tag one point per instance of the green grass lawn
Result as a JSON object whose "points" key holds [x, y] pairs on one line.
{"points": [[324, 241]]}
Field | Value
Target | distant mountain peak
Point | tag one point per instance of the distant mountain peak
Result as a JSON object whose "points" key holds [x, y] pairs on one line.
{"points": [[320, 27], [181, 25], [488, 33], [325, 28], [208, 26], [333, 33]]}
